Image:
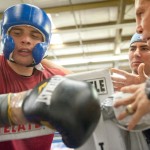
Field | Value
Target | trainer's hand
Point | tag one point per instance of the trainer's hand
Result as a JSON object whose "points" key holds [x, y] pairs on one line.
{"points": [[128, 78], [138, 101], [71, 107]]}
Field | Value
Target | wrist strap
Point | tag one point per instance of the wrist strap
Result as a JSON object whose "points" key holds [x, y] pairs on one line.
{"points": [[147, 88], [9, 110]]}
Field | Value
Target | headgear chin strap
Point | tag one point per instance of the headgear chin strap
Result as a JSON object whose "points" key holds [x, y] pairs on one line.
{"points": [[25, 14]]}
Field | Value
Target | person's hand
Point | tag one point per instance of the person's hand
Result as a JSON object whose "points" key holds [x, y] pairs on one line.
{"points": [[128, 78], [138, 102]]}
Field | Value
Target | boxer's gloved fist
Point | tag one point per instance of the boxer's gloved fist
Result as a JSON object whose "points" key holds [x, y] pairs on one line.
{"points": [[71, 107]]}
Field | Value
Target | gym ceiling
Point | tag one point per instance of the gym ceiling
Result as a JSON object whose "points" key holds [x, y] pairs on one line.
{"points": [[87, 34]]}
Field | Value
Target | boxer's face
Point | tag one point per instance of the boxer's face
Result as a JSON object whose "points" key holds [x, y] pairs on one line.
{"points": [[142, 8], [25, 38]]}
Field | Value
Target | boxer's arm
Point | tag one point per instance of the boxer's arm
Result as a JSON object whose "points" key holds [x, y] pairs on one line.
{"points": [[11, 110], [71, 107]]}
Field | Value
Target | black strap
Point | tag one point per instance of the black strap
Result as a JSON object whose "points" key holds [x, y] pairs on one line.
{"points": [[147, 135], [147, 88]]}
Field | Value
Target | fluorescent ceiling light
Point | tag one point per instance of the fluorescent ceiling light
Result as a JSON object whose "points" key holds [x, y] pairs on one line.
{"points": [[53, 26], [55, 39], [72, 61]]}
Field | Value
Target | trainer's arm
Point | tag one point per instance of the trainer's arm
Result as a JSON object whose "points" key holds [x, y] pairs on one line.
{"points": [[50, 64]]}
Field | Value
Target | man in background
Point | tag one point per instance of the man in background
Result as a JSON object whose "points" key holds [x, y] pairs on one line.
{"points": [[139, 61], [139, 101]]}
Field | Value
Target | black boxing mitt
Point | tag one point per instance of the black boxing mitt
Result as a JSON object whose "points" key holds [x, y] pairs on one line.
{"points": [[71, 107]]}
